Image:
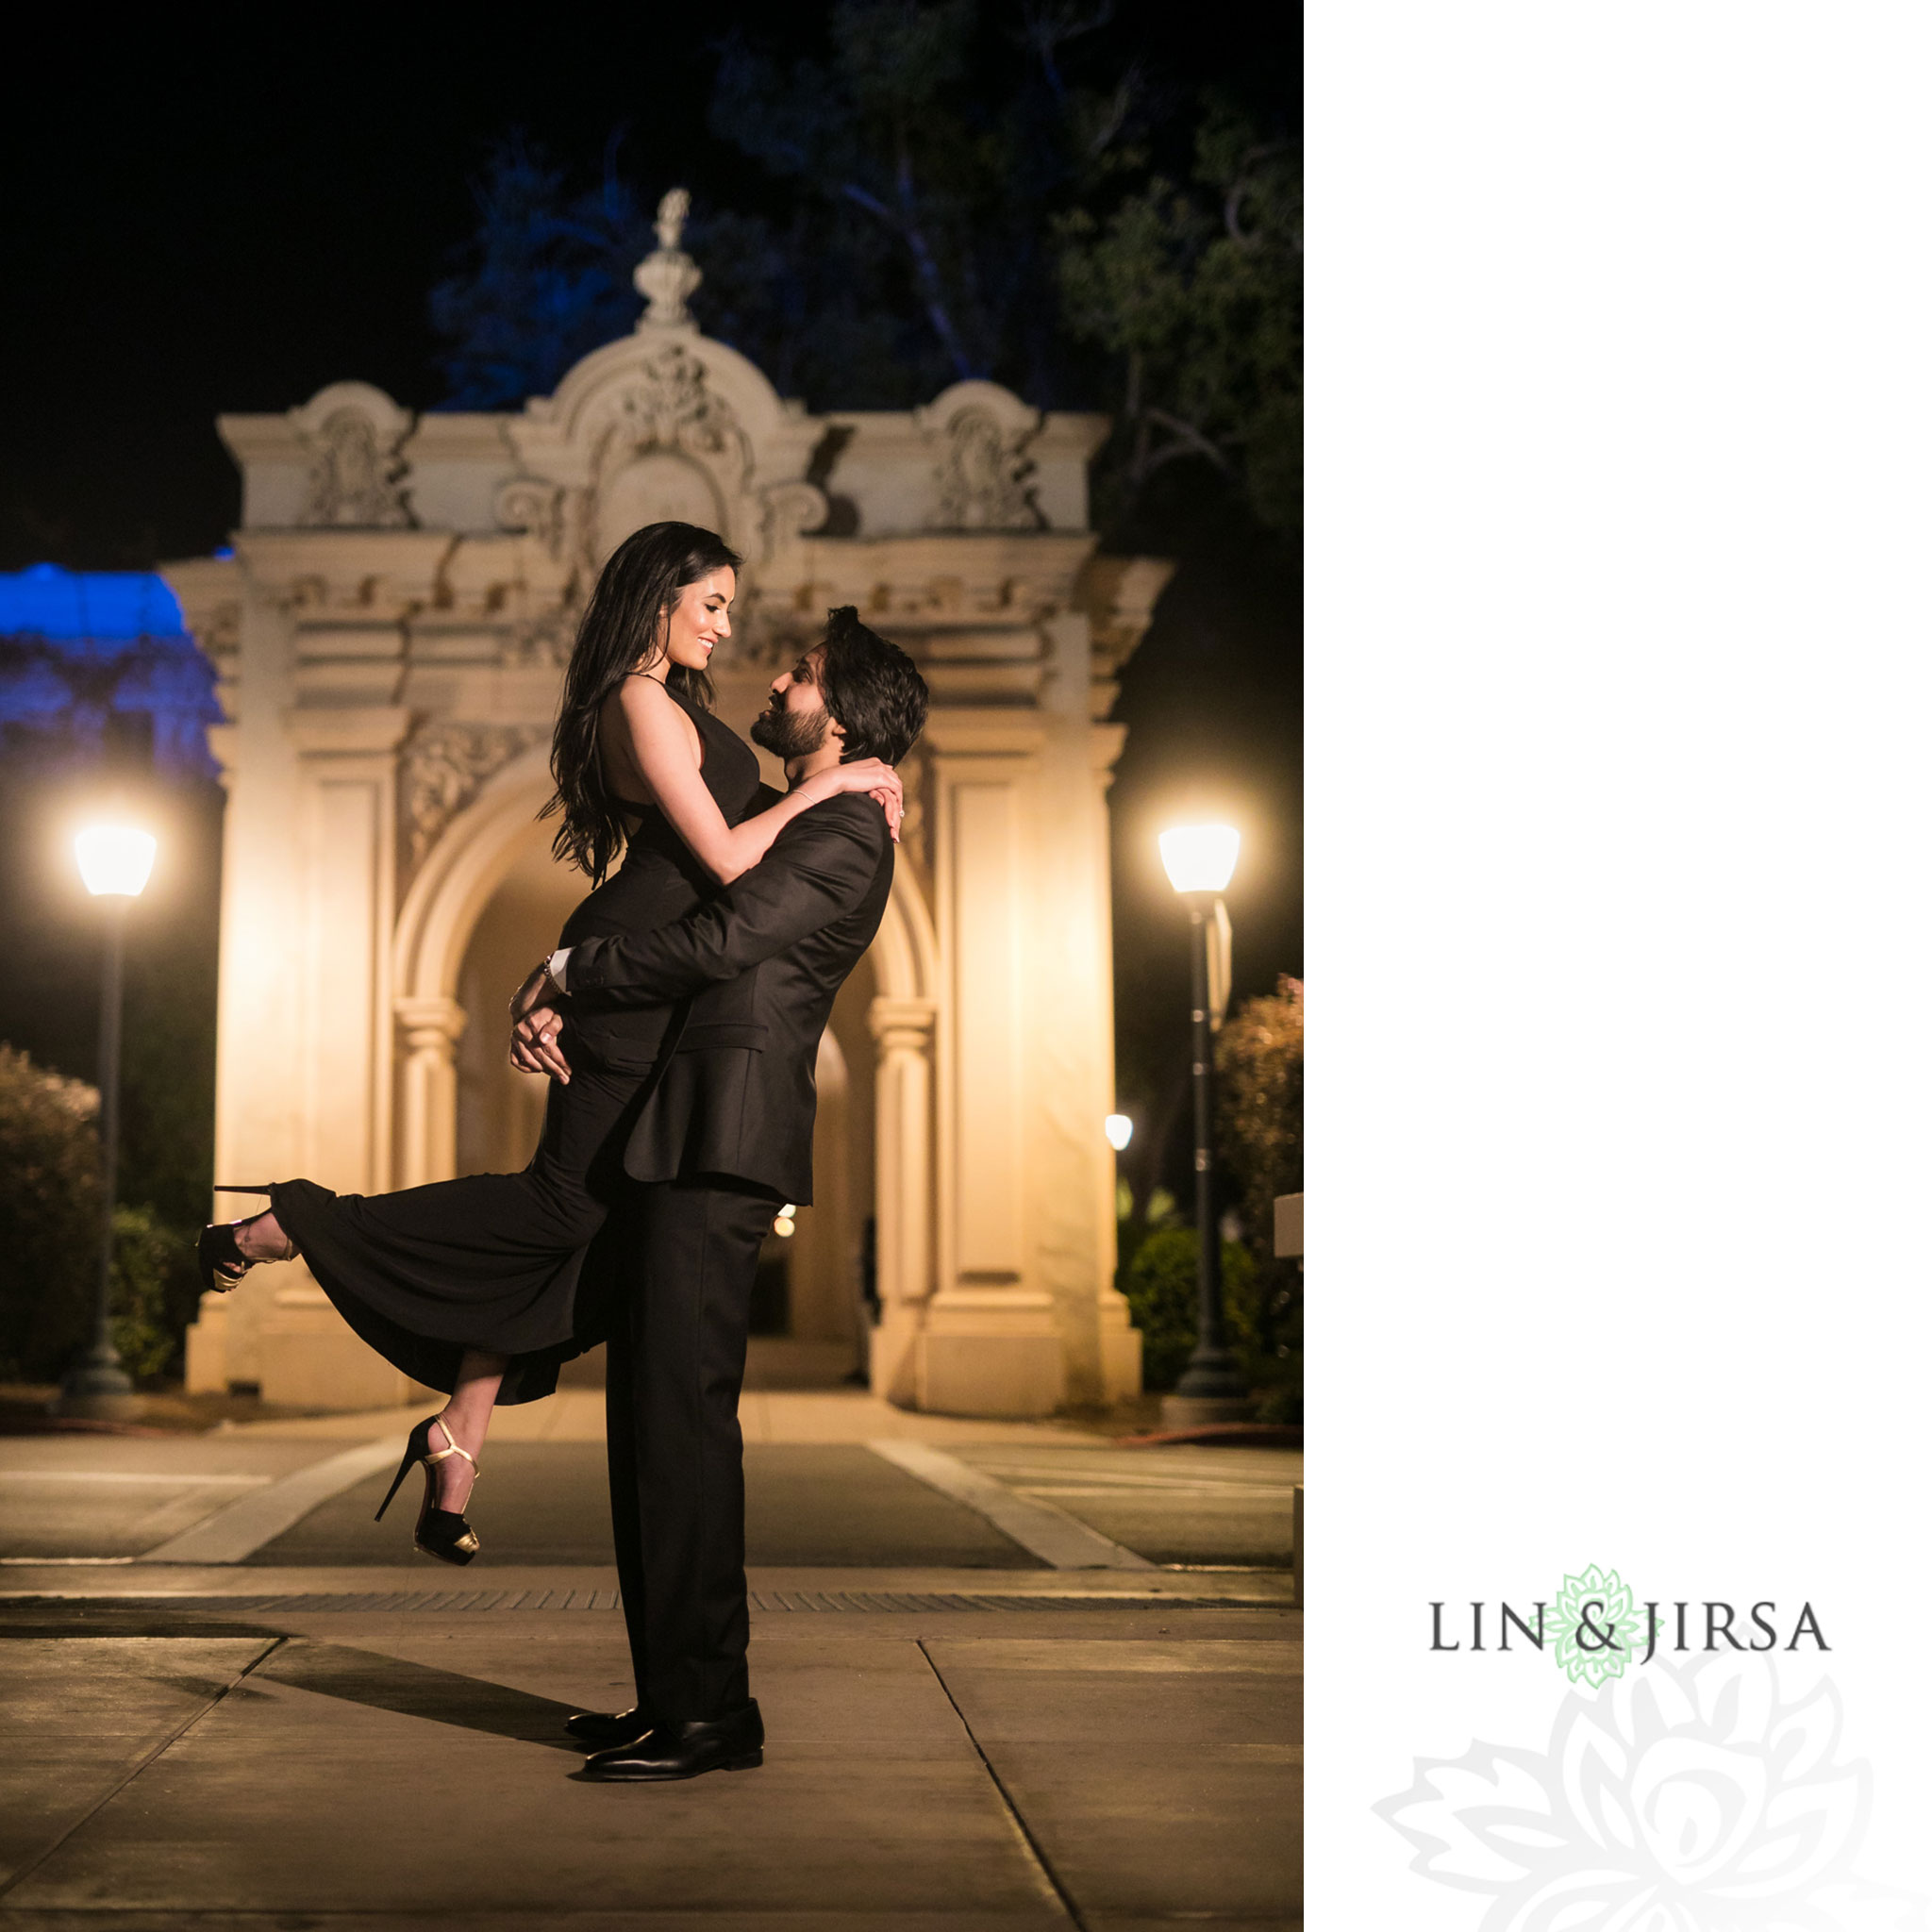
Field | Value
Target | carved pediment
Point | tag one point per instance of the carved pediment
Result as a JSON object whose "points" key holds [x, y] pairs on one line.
{"points": [[979, 433], [351, 433]]}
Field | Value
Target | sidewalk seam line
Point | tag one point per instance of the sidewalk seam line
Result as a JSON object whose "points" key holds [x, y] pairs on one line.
{"points": [[1056, 1537], [167, 1743], [999, 1784]]}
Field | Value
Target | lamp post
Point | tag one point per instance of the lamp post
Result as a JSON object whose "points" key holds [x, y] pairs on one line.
{"points": [[115, 861], [1200, 861]]}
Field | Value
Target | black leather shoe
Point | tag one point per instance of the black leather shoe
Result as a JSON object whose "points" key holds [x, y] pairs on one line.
{"points": [[601, 1727], [733, 1742]]}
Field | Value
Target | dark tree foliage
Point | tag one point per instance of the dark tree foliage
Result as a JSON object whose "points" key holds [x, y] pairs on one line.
{"points": [[955, 190], [544, 279], [1195, 290]]}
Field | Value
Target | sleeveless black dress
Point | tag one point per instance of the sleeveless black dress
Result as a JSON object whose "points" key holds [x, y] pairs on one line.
{"points": [[497, 1261]]}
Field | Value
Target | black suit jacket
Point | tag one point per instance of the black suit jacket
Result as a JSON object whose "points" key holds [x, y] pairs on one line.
{"points": [[762, 963]]}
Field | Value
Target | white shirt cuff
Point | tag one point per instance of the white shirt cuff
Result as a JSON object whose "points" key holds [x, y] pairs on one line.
{"points": [[558, 965]]}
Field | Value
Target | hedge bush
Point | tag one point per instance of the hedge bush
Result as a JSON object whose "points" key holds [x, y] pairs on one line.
{"points": [[50, 1221], [50, 1217], [1159, 1282]]}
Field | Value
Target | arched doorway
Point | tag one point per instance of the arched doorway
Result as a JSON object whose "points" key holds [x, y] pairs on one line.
{"points": [[488, 902]]}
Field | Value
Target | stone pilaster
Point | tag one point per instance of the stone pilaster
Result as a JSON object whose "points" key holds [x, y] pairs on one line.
{"points": [[427, 1131], [989, 1346], [903, 1032]]}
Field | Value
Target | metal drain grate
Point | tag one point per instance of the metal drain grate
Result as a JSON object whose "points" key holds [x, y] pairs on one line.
{"points": [[410, 1601]]}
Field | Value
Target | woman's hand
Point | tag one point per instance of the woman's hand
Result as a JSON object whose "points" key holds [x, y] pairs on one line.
{"points": [[535, 1023], [872, 776]]}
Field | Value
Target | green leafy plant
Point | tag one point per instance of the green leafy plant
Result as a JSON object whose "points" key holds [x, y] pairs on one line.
{"points": [[1159, 1283], [50, 1220], [1257, 1063], [154, 1274], [50, 1203]]}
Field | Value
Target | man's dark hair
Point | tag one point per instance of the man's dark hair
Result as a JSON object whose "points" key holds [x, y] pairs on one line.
{"points": [[872, 690]]}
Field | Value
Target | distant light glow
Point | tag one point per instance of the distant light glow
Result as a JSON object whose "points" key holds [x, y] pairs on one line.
{"points": [[1120, 1130], [1200, 859], [786, 1223], [114, 860]]}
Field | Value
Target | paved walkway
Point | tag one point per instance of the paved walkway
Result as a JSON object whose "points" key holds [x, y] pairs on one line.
{"points": [[977, 1718]]}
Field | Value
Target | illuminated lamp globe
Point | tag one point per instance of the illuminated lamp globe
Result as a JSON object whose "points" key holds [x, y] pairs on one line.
{"points": [[1200, 859], [787, 1220], [1120, 1130], [114, 860]]}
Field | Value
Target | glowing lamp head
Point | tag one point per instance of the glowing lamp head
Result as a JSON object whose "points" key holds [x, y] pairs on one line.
{"points": [[114, 860], [1120, 1130], [786, 1221], [1200, 859]]}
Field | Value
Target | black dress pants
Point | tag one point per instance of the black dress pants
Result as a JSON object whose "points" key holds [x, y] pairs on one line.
{"points": [[675, 1365]]}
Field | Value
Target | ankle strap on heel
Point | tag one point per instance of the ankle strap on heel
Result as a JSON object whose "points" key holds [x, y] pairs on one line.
{"points": [[455, 1448]]}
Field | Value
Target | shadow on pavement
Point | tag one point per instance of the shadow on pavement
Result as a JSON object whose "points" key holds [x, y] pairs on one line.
{"points": [[330, 1670], [421, 1690]]}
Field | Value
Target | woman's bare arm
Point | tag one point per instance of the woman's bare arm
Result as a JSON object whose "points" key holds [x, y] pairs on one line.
{"points": [[659, 738]]}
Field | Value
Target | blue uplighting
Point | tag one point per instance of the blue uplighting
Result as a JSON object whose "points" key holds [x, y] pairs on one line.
{"points": [[84, 654], [104, 606]]}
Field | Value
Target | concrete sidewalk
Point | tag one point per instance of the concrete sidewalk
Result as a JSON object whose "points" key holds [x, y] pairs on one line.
{"points": [[1111, 1767], [1002, 1739]]}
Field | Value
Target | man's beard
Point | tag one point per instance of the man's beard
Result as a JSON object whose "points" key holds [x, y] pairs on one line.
{"points": [[791, 734]]}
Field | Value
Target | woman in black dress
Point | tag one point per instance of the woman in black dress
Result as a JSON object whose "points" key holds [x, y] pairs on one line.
{"points": [[472, 1285]]}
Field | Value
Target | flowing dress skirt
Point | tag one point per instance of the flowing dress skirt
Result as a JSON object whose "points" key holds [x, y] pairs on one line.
{"points": [[494, 1261]]}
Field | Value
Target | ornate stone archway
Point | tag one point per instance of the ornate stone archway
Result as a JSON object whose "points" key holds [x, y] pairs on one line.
{"points": [[390, 633]]}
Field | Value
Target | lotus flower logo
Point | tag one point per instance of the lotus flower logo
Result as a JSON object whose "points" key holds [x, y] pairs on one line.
{"points": [[1687, 1799], [1598, 1630]]}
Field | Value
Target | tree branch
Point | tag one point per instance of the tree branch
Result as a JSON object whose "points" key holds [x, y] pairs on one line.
{"points": [[1188, 440], [906, 225]]}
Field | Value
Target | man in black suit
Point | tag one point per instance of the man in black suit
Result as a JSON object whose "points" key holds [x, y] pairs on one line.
{"points": [[722, 1141]]}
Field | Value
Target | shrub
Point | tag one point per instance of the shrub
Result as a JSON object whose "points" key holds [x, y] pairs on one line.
{"points": [[50, 1231], [1160, 1288], [50, 1194], [1258, 1062], [153, 1276]]}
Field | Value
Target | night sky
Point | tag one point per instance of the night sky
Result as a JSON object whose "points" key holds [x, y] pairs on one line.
{"points": [[201, 217]]}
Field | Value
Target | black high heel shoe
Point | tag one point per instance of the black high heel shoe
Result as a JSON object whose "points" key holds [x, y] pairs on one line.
{"points": [[443, 1533], [219, 1256]]}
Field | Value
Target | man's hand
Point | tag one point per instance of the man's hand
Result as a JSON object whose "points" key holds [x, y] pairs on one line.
{"points": [[536, 1021]]}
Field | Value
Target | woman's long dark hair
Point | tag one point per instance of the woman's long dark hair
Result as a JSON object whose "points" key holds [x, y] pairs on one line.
{"points": [[623, 630]]}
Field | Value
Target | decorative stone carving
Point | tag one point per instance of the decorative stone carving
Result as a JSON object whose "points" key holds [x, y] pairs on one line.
{"points": [[791, 510], [667, 276], [533, 506], [670, 406], [671, 447], [444, 768], [352, 433], [982, 432], [546, 639]]}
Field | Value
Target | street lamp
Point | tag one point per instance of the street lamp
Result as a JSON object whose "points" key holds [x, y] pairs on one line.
{"points": [[1200, 861], [115, 861]]}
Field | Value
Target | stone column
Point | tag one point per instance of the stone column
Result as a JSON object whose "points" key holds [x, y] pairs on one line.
{"points": [[990, 1344], [426, 1142], [345, 780], [902, 1030], [1118, 1340]]}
